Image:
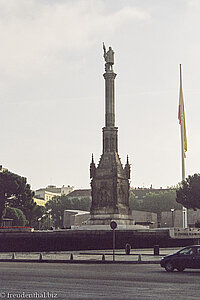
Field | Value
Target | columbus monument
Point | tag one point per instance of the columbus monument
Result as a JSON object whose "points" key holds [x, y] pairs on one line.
{"points": [[109, 179]]}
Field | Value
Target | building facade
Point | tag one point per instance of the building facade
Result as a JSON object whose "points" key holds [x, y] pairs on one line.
{"points": [[75, 217]]}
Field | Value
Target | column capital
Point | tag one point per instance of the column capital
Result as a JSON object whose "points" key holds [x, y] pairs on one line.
{"points": [[109, 75]]}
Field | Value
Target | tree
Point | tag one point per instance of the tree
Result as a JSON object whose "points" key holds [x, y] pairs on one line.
{"points": [[59, 204], [134, 203], [37, 212], [155, 202], [17, 215], [188, 192], [15, 192], [163, 201]]}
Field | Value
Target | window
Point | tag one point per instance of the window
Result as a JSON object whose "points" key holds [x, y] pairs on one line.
{"points": [[187, 251]]}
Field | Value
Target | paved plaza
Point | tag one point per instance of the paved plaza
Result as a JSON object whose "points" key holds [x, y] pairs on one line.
{"points": [[142, 255]]}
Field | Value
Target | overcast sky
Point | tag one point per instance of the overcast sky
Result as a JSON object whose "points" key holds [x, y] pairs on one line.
{"points": [[52, 87]]}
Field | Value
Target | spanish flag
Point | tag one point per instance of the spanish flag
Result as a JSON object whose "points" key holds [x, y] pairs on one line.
{"points": [[181, 113]]}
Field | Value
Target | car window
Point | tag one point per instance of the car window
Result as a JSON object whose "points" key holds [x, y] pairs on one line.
{"points": [[198, 251], [187, 251]]}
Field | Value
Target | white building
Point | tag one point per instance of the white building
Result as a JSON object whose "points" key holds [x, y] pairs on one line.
{"points": [[51, 191], [65, 190], [174, 218]]}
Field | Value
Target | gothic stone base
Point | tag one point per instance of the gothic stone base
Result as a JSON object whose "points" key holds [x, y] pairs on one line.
{"points": [[105, 219]]}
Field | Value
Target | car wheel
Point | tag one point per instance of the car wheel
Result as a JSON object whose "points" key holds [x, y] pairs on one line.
{"points": [[180, 269], [169, 267]]}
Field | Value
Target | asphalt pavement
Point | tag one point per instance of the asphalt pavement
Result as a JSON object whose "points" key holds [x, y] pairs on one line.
{"points": [[96, 281]]}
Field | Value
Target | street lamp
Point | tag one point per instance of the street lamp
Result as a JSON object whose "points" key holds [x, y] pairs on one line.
{"points": [[113, 226], [39, 219], [48, 214], [172, 211]]}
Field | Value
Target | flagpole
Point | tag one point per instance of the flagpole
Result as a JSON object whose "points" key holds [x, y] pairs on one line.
{"points": [[184, 209]]}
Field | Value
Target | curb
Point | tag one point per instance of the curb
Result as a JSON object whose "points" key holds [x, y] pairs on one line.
{"points": [[122, 254]]}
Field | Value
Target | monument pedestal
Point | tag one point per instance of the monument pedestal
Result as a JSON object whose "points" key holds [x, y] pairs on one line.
{"points": [[107, 218]]}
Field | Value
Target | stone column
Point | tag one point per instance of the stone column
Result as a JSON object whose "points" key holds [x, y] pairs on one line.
{"points": [[109, 98]]}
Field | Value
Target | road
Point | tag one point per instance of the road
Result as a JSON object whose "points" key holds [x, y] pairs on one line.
{"points": [[93, 281]]}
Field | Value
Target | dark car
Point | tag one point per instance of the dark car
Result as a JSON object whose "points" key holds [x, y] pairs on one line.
{"points": [[188, 257]]}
